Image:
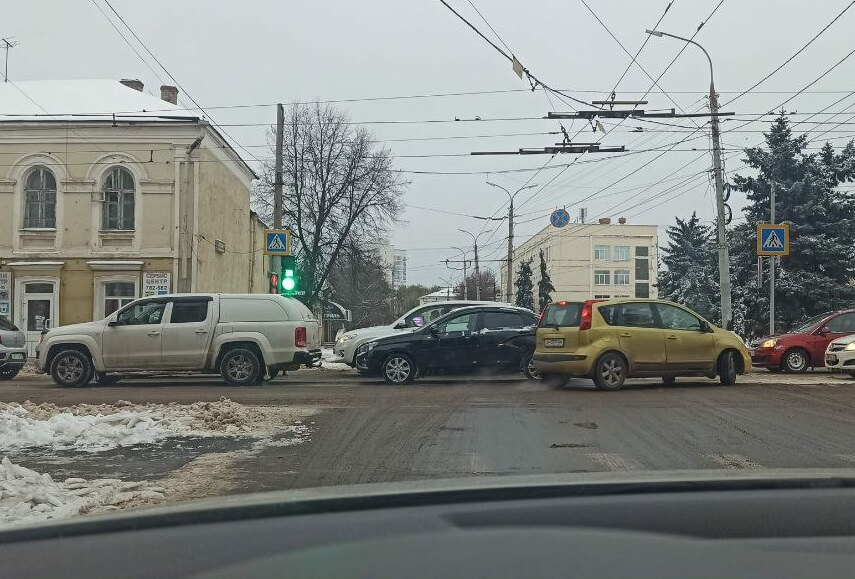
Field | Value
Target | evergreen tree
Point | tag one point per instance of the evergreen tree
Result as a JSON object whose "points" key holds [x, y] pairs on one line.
{"points": [[525, 286], [544, 285], [691, 277], [816, 276]]}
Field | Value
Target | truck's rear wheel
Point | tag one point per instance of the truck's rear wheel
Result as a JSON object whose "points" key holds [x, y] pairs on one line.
{"points": [[71, 368], [240, 367]]}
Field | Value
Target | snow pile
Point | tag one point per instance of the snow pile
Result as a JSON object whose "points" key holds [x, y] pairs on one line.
{"points": [[101, 427], [329, 361], [27, 496]]}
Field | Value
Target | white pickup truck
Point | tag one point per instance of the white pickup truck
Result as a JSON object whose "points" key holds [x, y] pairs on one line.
{"points": [[243, 337]]}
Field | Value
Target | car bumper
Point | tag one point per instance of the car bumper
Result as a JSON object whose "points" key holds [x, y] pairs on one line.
{"points": [[766, 357], [843, 360], [564, 363], [345, 353], [13, 357], [307, 358]]}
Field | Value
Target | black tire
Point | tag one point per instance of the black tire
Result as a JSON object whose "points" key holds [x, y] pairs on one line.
{"points": [[398, 369], [528, 367], [610, 372], [9, 373], [555, 380], [72, 369], [104, 379], [727, 368], [795, 361], [669, 380], [241, 367]]}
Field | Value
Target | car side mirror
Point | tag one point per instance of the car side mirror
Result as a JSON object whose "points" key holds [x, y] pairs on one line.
{"points": [[705, 328], [824, 330], [434, 331], [112, 323], [400, 325]]}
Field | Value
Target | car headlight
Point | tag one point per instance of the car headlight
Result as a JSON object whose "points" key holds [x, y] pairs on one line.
{"points": [[850, 346], [345, 337], [769, 343]]}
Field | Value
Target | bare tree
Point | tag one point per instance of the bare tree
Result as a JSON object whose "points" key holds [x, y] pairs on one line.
{"points": [[360, 283], [339, 188]]}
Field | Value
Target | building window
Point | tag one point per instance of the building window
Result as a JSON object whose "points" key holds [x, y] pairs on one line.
{"points": [[642, 290], [117, 294], [622, 253], [602, 277], [40, 200], [642, 251], [621, 277], [547, 253], [642, 269], [601, 296], [601, 252], [118, 212]]}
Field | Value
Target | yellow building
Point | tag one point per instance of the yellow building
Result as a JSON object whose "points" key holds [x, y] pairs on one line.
{"points": [[108, 193], [593, 260]]}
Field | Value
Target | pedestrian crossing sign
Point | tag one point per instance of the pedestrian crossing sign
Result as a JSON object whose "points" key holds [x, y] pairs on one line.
{"points": [[773, 239], [277, 242]]}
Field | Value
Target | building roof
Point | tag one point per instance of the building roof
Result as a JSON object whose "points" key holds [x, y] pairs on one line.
{"points": [[92, 99]]}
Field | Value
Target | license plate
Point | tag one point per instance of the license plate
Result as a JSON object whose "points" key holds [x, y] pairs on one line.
{"points": [[17, 356], [831, 359], [554, 342]]}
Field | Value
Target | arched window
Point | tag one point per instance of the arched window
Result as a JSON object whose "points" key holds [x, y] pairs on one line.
{"points": [[118, 211], [40, 199]]}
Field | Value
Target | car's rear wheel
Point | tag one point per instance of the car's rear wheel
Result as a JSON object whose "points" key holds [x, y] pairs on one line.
{"points": [[610, 372], [528, 367], [727, 368], [796, 361], [71, 368], [9, 373], [398, 369], [240, 367]]}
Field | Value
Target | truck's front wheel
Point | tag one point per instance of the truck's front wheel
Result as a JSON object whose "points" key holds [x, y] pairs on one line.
{"points": [[71, 368], [241, 367]]}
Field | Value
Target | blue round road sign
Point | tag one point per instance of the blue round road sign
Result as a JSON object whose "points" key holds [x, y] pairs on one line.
{"points": [[559, 218]]}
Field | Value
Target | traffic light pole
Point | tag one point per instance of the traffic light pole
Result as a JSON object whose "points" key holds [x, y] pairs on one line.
{"points": [[275, 261], [772, 267]]}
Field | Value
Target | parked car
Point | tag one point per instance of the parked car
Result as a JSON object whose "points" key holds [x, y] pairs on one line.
{"points": [[490, 338], [13, 349], [610, 341], [804, 346], [348, 342], [240, 336], [840, 355]]}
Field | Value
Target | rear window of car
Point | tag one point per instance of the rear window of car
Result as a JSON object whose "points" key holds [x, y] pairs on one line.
{"points": [[5, 324], [562, 315]]}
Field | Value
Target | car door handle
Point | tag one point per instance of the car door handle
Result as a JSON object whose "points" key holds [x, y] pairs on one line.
{"points": [[154, 333], [201, 331], [626, 335], [673, 338]]}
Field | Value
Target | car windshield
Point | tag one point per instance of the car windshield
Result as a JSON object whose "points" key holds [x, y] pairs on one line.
{"points": [[809, 323], [290, 245]]}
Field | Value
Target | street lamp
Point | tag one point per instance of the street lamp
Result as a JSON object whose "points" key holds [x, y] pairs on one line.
{"points": [[477, 268], [465, 285], [723, 251], [511, 196]]}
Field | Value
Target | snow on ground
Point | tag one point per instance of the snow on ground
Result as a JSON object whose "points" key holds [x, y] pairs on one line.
{"points": [[97, 427], [27, 496], [329, 361]]}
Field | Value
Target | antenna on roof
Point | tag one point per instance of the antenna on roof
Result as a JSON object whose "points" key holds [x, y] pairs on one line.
{"points": [[7, 44]]}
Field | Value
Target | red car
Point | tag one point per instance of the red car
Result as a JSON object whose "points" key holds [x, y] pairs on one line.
{"points": [[804, 346]]}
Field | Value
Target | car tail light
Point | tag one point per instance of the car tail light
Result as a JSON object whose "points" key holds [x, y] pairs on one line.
{"points": [[300, 337], [587, 315]]}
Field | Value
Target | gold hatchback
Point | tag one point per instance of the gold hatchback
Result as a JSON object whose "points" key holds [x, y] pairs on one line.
{"points": [[612, 340]]}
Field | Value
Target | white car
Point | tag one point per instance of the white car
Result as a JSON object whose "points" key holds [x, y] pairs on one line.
{"points": [[243, 337], [840, 355], [347, 343]]}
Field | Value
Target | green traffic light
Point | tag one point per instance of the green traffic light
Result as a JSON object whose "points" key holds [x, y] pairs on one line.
{"points": [[288, 283]]}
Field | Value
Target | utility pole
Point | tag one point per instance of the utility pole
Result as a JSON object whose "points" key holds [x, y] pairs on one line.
{"points": [[465, 285], [277, 181], [510, 267], [477, 268], [723, 251], [772, 267]]}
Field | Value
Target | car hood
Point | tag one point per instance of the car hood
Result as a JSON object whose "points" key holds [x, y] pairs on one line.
{"points": [[398, 337], [845, 339], [374, 332], [83, 328]]}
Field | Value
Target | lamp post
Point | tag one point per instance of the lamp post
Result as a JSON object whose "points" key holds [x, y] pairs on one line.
{"points": [[510, 274], [477, 268], [723, 251]]}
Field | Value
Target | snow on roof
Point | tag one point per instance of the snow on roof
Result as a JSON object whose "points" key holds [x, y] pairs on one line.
{"points": [[93, 99]]}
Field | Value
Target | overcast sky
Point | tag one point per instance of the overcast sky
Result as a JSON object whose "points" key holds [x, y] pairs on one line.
{"points": [[262, 52]]}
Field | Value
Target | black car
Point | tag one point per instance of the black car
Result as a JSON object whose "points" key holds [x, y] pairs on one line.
{"points": [[492, 338]]}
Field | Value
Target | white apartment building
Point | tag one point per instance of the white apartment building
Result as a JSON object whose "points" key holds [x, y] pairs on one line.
{"points": [[593, 261]]}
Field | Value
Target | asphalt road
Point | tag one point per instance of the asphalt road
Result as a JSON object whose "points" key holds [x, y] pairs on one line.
{"points": [[365, 431]]}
